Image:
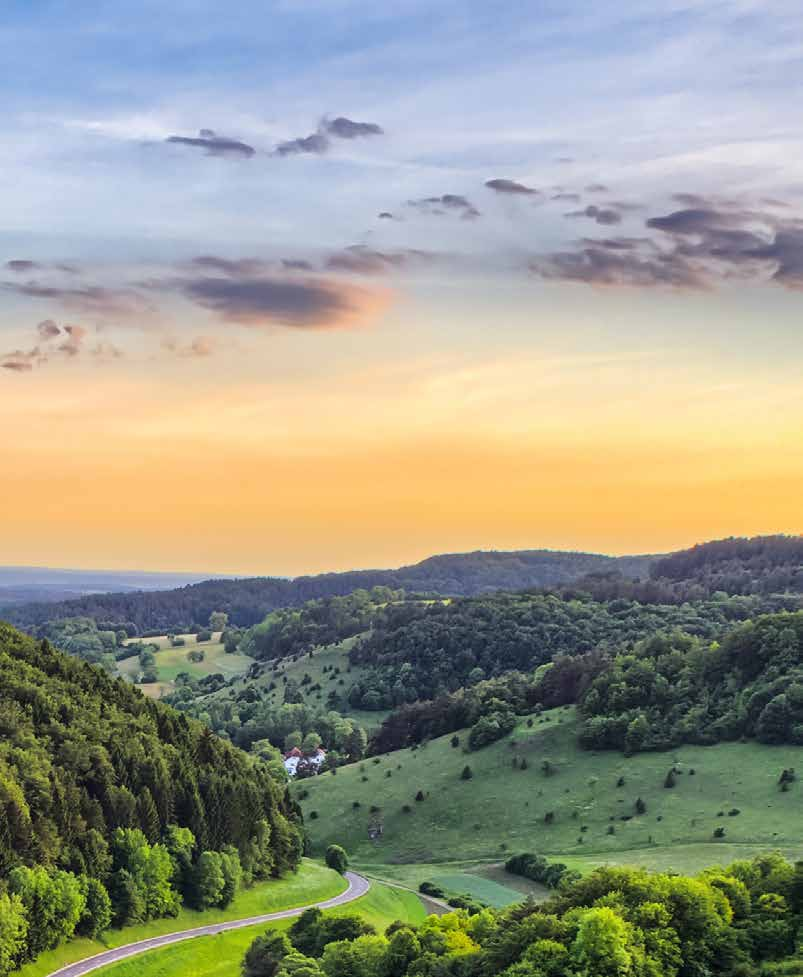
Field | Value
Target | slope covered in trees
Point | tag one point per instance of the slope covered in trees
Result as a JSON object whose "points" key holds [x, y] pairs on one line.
{"points": [[116, 808], [676, 689], [761, 565], [248, 601], [421, 651]]}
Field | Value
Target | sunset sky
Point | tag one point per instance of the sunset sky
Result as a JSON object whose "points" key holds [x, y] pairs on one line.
{"points": [[304, 285]]}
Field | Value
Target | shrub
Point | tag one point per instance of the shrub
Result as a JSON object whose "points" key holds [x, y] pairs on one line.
{"points": [[430, 889], [336, 858], [641, 807], [466, 773], [719, 832], [420, 795], [670, 780]]}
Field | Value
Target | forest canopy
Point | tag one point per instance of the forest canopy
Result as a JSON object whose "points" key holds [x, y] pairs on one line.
{"points": [[116, 808]]}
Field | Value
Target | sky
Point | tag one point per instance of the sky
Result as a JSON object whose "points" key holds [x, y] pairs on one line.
{"points": [[301, 285]]}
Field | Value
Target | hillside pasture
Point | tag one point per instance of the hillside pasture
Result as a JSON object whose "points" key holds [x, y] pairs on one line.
{"points": [[571, 805]]}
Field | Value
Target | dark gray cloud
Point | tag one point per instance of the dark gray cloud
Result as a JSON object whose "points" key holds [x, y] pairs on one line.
{"points": [[296, 264], [343, 128], [698, 246], [310, 303], [236, 266], [24, 266], [386, 216], [320, 141], [453, 203], [573, 198], [316, 142], [214, 145], [596, 264], [596, 188], [602, 215], [502, 185]]}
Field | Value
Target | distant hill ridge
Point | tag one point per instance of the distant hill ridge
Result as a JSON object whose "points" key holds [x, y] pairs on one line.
{"points": [[248, 600], [760, 565]]}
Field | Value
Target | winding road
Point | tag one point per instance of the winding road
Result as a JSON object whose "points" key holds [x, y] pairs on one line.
{"points": [[357, 886]]}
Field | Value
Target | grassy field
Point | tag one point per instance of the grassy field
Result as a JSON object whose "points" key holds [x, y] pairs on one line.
{"points": [[467, 827], [220, 956], [170, 661], [312, 883], [329, 658]]}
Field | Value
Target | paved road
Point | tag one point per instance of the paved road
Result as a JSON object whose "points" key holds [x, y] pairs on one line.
{"points": [[357, 886]]}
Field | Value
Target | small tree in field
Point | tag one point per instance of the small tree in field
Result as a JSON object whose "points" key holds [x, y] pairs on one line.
{"points": [[641, 807], [467, 773], [337, 859], [669, 780]]}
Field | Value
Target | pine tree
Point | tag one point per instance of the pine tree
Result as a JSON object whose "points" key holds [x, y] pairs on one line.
{"points": [[148, 815]]}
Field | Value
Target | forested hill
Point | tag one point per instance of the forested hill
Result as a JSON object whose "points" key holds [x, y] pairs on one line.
{"points": [[761, 565], [117, 808], [247, 601]]}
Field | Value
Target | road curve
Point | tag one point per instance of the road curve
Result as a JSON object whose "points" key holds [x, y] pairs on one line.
{"points": [[357, 886]]}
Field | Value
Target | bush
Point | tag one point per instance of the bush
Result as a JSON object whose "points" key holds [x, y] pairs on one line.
{"points": [[466, 773], [719, 832], [420, 795], [430, 889], [670, 779], [537, 868], [336, 858]]}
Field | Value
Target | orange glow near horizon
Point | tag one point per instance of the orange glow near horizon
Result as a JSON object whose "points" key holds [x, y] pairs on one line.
{"points": [[386, 465]]}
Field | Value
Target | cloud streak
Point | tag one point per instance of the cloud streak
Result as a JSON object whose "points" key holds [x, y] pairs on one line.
{"points": [[447, 203], [214, 145], [512, 187]]}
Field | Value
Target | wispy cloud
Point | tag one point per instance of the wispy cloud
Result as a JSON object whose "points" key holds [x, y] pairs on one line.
{"points": [[447, 203], [56, 342], [91, 300]]}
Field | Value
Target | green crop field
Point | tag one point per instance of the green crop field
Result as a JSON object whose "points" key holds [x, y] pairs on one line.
{"points": [[220, 956], [312, 883], [171, 661], [466, 827]]}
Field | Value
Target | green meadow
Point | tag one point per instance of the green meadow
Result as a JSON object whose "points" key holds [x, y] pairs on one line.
{"points": [[171, 661], [220, 955], [536, 790]]}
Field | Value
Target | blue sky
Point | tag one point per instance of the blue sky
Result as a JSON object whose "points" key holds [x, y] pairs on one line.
{"points": [[365, 224]]}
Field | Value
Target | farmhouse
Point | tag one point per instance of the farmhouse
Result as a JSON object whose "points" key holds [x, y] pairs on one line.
{"points": [[298, 764]]}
